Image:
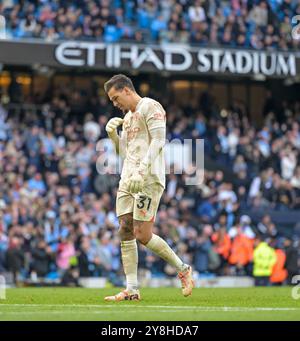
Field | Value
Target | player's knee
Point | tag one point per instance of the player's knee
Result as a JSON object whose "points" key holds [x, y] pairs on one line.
{"points": [[142, 239], [142, 236], [126, 227], [125, 235]]}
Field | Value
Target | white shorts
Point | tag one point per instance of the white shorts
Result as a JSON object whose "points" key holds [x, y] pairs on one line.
{"points": [[143, 205]]}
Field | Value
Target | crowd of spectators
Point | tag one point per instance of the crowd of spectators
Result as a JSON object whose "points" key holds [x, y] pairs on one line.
{"points": [[57, 209], [257, 24]]}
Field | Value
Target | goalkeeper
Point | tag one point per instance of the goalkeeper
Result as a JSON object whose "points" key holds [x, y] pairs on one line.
{"points": [[142, 181]]}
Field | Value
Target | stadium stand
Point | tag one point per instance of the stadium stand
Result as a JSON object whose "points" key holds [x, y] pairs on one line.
{"points": [[252, 24]]}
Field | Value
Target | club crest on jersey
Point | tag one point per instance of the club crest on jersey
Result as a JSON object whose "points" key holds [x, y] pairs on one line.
{"points": [[126, 124], [136, 116]]}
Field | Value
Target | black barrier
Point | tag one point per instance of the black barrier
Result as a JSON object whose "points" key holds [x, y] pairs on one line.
{"points": [[170, 58]]}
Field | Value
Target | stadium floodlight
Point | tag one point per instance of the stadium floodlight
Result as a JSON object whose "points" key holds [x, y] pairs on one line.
{"points": [[259, 77], [288, 81], [2, 27]]}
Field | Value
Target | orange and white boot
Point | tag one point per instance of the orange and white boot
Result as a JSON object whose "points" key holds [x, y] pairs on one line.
{"points": [[124, 295], [187, 282]]}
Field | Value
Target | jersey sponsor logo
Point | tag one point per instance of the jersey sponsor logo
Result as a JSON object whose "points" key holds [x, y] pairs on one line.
{"points": [[129, 121], [132, 133]]}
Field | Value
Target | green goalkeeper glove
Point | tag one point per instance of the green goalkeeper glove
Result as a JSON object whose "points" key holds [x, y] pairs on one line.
{"points": [[112, 125], [135, 182]]}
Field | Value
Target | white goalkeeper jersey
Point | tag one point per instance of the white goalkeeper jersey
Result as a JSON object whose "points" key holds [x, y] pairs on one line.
{"points": [[136, 139]]}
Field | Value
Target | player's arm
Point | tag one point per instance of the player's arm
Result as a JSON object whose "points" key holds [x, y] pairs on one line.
{"points": [[157, 143], [111, 129], [156, 123]]}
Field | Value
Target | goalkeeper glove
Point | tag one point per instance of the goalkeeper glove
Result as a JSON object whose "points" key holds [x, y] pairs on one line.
{"points": [[113, 124], [136, 182]]}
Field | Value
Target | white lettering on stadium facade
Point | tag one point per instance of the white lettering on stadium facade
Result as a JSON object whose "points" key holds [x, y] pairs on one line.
{"points": [[176, 58]]}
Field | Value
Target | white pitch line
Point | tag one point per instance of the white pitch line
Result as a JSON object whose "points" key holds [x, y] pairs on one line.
{"points": [[47, 312], [79, 312], [167, 308]]}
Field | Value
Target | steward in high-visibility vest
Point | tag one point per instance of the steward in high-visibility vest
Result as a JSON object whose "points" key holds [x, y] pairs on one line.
{"points": [[241, 250], [264, 258], [222, 243], [279, 273]]}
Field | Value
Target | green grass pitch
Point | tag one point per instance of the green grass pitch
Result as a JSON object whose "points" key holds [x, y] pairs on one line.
{"points": [[206, 304]]}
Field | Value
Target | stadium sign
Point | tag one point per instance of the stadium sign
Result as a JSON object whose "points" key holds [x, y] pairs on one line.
{"points": [[177, 59], [245, 62], [171, 58]]}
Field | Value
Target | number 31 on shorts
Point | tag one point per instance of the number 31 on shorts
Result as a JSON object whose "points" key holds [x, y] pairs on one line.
{"points": [[143, 202]]}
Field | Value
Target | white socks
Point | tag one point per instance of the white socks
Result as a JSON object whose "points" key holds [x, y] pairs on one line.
{"points": [[130, 263], [156, 245], [162, 249]]}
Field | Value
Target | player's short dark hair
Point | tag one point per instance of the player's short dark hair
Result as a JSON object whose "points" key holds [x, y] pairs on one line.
{"points": [[119, 82]]}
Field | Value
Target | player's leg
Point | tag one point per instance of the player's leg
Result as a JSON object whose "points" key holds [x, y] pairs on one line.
{"points": [[143, 233], [145, 208], [128, 249]]}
